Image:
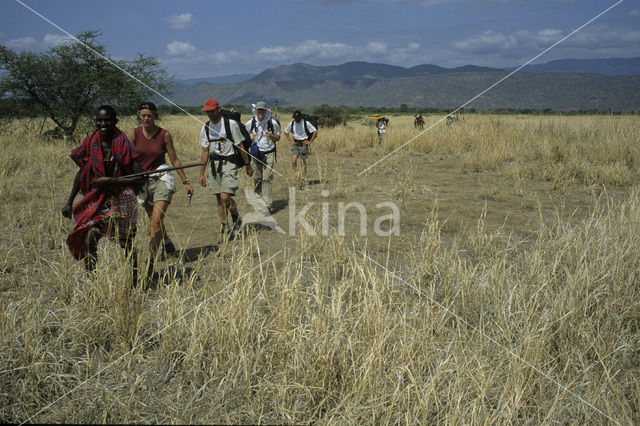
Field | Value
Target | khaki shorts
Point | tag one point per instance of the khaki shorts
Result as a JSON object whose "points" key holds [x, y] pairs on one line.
{"points": [[226, 179], [153, 191], [301, 151]]}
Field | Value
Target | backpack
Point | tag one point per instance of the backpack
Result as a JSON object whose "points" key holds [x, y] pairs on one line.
{"points": [[254, 148], [306, 118], [235, 116], [269, 124], [313, 119], [237, 158]]}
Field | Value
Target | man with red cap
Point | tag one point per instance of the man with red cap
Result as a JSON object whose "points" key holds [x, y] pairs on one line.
{"points": [[222, 155]]}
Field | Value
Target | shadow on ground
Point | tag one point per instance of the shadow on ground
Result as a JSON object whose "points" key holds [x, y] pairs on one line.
{"points": [[192, 254]]}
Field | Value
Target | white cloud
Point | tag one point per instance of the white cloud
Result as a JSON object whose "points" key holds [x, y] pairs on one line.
{"points": [[181, 21], [377, 48], [222, 57], [305, 50], [334, 50], [594, 37], [274, 52], [511, 49], [30, 43], [52, 40], [487, 42], [413, 47], [548, 36], [205, 64], [634, 12], [24, 43], [524, 44], [179, 48]]}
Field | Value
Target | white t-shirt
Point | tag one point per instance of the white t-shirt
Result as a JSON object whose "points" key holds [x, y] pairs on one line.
{"points": [[382, 128], [220, 143], [264, 143], [298, 130]]}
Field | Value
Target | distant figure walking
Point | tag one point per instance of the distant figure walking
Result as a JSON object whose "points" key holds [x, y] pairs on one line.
{"points": [[304, 133], [265, 132], [382, 128], [418, 123], [450, 119]]}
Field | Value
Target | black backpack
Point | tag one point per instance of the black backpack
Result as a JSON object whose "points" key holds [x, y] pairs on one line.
{"points": [[269, 124], [307, 118], [235, 116], [246, 142], [313, 119]]}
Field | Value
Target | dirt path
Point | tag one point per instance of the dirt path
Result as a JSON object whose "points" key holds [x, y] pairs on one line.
{"points": [[458, 200]]}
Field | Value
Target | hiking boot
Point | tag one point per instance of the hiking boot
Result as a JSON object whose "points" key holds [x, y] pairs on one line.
{"points": [[225, 233], [236, 231], [169, 248]]}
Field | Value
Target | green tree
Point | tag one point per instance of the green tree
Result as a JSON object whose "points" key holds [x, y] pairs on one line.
{"points": [[67, 82], [329, 116]]}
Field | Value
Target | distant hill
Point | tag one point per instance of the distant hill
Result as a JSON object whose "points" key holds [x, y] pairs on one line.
{"points": [[353, 71], [610, 66], [223, 79], [367, 84]]}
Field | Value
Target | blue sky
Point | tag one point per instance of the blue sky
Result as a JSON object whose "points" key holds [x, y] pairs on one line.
{"points": [[215, 38]]}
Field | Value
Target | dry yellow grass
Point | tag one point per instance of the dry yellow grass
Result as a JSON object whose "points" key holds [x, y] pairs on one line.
{"points": [[512, 294]]}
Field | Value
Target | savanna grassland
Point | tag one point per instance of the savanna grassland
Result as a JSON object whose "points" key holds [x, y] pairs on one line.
{"points": [[511, 293]]}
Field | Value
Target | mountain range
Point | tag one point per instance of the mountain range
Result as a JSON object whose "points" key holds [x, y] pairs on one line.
{"points": [[568, 84]]}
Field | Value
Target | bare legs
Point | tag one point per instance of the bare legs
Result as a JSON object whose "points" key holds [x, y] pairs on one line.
{"points": [[156, 232], [227, 203], [126, 242], [299, 177]]}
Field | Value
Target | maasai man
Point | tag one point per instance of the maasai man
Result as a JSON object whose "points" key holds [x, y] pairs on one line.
{"points": [[108, 205]]}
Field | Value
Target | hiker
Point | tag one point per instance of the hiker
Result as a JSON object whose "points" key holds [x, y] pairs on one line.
{"points": [[303, 134], [108, 205], [419, 121], [152, 144], [265, 132], [382, 128], [220, 140], [450, 119]]}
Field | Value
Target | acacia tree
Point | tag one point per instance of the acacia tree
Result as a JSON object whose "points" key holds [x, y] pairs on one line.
{"points": [[69, 81]]}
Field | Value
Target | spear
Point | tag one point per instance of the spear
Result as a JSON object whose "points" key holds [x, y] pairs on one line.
{"points": [[168, 169]]}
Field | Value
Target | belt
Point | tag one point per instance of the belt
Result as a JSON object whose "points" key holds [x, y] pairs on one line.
{"points": [[222, 160]]}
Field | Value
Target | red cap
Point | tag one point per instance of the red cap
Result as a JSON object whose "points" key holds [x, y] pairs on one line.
{"points": [[210, 105]]}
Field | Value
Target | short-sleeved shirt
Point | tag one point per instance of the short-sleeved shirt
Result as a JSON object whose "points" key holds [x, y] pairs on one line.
{"points": [[151, 151], [263, 142], [298, 130], [220, 142]]}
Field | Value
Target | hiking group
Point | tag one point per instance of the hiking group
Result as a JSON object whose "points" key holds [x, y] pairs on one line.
{"points": [[117, 172]]}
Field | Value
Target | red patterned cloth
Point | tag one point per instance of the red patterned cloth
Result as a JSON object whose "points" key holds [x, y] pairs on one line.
{"points": [[100, 203]]}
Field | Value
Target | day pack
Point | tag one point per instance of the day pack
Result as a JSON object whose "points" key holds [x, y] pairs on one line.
{"points": [[237, 158], [254, 148], [269, 124], [307, 118], [313, 119], [235, 116]]}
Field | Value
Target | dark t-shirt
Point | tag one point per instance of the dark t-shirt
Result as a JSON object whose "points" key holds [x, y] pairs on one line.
{"points": [[151, 151]]}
